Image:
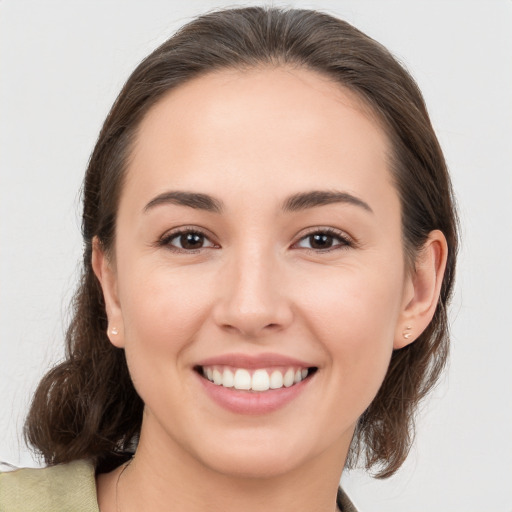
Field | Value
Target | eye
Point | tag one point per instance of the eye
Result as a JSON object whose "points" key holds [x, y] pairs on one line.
{"points": [[187, 240], [324, 240]]}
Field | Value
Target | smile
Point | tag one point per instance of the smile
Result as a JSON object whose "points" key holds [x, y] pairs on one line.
{"points": [[254, 384], [258, 380]]}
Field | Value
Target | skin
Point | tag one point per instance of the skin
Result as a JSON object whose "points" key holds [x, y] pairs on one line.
{"points": [[251, 140]]}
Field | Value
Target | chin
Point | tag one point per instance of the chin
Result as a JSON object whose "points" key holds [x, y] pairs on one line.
{"points": [[254, 464], [257, 453]]}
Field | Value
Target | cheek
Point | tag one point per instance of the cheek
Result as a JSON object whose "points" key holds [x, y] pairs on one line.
{"points": [[353, 315], [359, 305], [162, 308], [163, 311]]}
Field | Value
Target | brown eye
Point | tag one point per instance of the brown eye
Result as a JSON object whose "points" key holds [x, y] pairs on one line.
{"points": [[323, 240], [188, 241], [320, 241], [191, 241]]}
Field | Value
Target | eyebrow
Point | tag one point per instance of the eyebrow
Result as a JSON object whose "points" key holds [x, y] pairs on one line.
{"points": [[305, 200], [296, 202], [194, 200]]}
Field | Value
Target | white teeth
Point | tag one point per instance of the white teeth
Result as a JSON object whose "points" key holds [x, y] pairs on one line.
{"points": [[228, 379], [260, 380], [276, 380], [217, 377], [288, 378], [242, 379]]}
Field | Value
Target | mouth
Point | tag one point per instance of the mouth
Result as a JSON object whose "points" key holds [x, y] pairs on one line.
{"points": [[256, 380]]}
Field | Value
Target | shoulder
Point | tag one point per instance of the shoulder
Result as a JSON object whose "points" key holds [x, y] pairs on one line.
{"points": [[57, 488], [344, 503]]}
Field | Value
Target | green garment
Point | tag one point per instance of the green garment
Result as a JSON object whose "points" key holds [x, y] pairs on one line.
{"points": [[65, 488], [62, 488]]}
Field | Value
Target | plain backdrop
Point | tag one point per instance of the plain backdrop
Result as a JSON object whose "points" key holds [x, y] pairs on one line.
{"points": [[61, 65]]}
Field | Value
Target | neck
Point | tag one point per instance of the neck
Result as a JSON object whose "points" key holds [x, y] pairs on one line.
{"points": [[166, 477]]}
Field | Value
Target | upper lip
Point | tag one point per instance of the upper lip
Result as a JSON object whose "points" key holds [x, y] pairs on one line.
{"points": [[263, 360]]}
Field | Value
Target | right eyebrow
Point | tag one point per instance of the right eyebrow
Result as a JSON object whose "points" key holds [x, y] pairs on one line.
{"points": [[194, 200]]}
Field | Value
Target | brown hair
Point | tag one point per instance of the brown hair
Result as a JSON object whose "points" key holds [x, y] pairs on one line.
{"points": [[87, 407]]}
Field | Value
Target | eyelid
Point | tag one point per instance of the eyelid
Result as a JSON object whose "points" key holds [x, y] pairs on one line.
{"points": [[347, 241], [165, 239]]}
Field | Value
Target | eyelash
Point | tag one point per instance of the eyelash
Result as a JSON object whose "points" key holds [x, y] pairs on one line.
{"points": [[166, 240], [344, 241]]}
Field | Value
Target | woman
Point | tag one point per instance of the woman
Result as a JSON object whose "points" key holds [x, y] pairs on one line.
{"points": [[270, 245]]}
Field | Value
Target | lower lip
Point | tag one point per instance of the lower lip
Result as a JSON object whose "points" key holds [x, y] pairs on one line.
{"points": [[252, 402]]}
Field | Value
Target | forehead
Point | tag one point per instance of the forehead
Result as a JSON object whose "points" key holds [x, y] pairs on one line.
{"points": [[281, 126]]}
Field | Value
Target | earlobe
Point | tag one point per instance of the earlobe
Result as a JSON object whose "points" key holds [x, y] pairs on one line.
{"points": [[106, 275], [423, 288]]}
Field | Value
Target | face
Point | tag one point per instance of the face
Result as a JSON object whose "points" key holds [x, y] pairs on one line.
{"points": [[258, 245]]}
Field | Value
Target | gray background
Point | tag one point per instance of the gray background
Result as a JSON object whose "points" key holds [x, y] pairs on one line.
{"points": [[61, 66]]}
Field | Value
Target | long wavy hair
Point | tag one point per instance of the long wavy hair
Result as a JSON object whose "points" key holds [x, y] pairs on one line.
{"points": [[87, 407]]}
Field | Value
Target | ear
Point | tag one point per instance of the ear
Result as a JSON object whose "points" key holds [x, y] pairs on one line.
{"points": [[106, 274], [422, 289]]}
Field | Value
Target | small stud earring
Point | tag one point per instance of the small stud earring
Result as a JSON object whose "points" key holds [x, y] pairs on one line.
{"points": [[114, 331], [407, 334]]}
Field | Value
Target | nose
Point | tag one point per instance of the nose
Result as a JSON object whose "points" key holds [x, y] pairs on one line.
{"points": [[252, 300]]}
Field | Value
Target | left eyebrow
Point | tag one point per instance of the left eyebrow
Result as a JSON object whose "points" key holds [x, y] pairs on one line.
{"points": [[305, 200], [296, 202]]}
